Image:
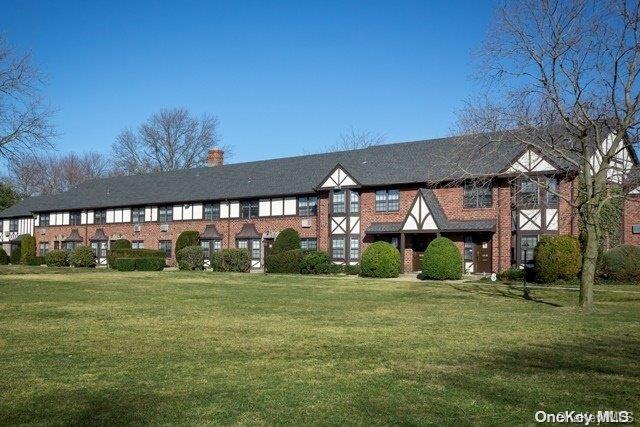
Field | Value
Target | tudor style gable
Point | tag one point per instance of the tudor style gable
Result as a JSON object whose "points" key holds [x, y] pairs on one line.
{"points": [[420, 216], [339, 177], [530, 161]]}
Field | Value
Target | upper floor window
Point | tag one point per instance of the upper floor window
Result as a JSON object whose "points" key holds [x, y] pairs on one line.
{"points": [[13, 225], [249, 209], [387, 201], [338, 202], [529, 193], [137, 215], [44, 220], [165, 213], [478, 194], [100, 216], [74, 218], [354, 202], [212, 211], [552, 192], [307, 206]]}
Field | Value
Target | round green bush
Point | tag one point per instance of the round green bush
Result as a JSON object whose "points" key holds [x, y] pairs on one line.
{"points": [[149, 264], [621, 263], [27, 249], [512, 274], [15, 255], [82, 256], [191, 258], [238, 260], [185, 239], [56, 258], [380, 259], [289, 262], [287, 240], [124, 264], [442, 260], [4, 258], [121, 244], [557, 257], [316, 262]]}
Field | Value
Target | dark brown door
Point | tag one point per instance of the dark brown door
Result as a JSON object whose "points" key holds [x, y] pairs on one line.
{"points": [[482, 255], [417, 261]]}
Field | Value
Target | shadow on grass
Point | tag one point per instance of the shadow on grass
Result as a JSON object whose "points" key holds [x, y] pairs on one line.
{"points": [[509, 291]]}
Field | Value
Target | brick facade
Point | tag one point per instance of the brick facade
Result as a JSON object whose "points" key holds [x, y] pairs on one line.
{"points": [[631, 218]]}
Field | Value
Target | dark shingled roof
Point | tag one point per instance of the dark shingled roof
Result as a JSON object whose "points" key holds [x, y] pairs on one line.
{"points": [[210, 232], [74, 236], [25, 207], [248, 231], [99, 236]]}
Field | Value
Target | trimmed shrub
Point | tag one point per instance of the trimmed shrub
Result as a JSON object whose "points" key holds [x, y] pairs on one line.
{"points": [[124, 264], [352, 270], [185, 239], [149, 264], [15, 255], [284, 262], [134, 253], [27, 249], [82, 256], [621, 263], [121, 244], [238, 260], [4, 258], [191, 258], [512, 274], [56, 258], [557, 257], [316, 262], [442, 260], [287, 240], [380, 259], [36, 260]]}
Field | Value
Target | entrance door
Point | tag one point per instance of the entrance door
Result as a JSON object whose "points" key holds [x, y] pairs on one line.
{"points": [[482, 255], [419, 243], [100, 250]]}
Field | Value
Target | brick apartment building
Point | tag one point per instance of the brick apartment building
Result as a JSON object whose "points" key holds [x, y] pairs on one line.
{"points": [[405, 193]]}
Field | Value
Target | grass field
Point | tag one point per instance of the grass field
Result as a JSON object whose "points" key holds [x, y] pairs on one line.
{"points": [[175, 347]]}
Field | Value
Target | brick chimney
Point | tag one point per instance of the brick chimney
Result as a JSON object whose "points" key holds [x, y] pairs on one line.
{"points": [[215, 157]]}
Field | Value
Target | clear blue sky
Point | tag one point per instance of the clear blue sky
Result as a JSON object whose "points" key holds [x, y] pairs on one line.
{"points": [[284, 78]]}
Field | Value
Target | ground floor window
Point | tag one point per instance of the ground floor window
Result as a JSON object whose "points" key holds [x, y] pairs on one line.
{"points": [[99, 249], [394, 240], [210, 246], [468, 249], [253, 245], [165, 246], [137, 244], [354, 248], [337, 248], [309, 244], [69, 246], [44, 248]]}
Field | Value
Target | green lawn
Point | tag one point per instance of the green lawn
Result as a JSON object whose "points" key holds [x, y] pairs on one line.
{"points": [[175, 347]]}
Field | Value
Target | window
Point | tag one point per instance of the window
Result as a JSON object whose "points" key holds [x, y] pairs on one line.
{"points": [[354, 252], [99, 249], [338, 202], [307, 206], [528, 244], [217, 245], [387, 200], [137, 244], [44, 248], [354, 202], [249, 209], [255, 249], [529, 192], [100, 216], [337, 248], [242, 244], [44, 220], [308, 244], [468, 249], [13, 225], [165, 246], [137, 215], [478, 194], [206, 248], [212, 211], [165, 213], [552, 192], [74, 218], [69, 246]]}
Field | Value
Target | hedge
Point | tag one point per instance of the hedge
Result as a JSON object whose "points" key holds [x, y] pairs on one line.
{"points": [[124, 264], [380, 259], [82, 256], [238, 260], [621, 263], [149, 264], [442, 260], [287, 240], [191, 258], [121, 244], [27, 249], [185, 239], [36, 260], [14, 257], [284, 262], [557, 257], [316, 262], [56, 258], [4, 258], [134, 253]]}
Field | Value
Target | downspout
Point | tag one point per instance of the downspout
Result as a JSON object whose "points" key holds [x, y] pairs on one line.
{"points": [[228, 224], [500, 231]]}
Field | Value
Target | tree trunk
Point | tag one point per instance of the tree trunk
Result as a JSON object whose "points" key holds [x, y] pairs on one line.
{"points": [[589, 265]]}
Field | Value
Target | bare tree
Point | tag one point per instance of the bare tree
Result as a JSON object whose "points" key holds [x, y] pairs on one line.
{"points": [[564, 74], [37, 174], [24, 119], [353, 139], [170, 139]]}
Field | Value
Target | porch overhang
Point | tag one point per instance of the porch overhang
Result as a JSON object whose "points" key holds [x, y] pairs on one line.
{"points": [[451, 227]]}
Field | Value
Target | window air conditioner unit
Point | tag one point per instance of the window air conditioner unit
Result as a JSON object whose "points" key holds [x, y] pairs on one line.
{"points": [[136, 228], [164, 227], [306, 222], [43, 231], [6, 234]]}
